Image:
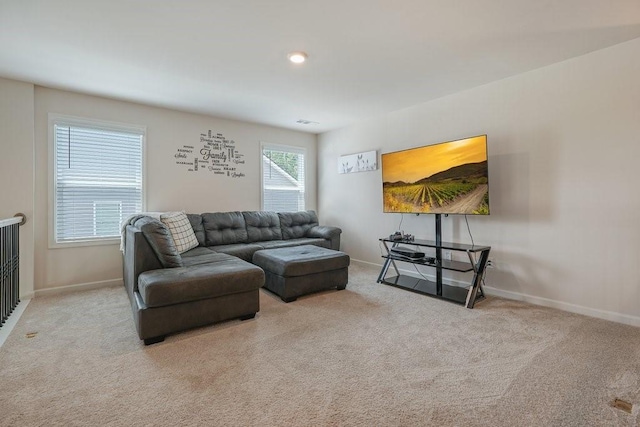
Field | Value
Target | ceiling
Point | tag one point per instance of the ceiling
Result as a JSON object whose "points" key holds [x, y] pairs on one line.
{"points": [[228, 58]]}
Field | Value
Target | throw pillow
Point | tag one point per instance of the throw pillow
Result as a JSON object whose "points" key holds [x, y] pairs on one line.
{"points": [[181, 230]]}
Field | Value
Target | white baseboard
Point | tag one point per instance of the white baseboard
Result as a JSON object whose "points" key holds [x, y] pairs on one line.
{"points": [[545, 302], [565, 306], [12, 320], [366, 263], [77, 287], [27, 296]]}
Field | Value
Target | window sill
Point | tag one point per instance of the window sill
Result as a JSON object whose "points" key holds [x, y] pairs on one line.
{"points": [[83, 243]]}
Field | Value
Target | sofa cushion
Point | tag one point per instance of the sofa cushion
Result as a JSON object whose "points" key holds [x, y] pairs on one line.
{"points": [[296, 224], [160, 240], [224, 228], [198, 228], [262, 226], [180, 228], [200, 250], [295, 242], [241, 250], [224, 276], [199, 255]]}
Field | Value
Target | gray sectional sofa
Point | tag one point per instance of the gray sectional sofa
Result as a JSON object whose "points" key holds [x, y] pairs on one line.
{"points": [[216, 281]]}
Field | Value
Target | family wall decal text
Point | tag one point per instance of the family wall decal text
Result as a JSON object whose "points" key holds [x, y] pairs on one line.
{"points": [[214, 154]]}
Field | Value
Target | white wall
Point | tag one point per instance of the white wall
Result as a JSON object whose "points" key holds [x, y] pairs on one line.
{"points": [[169, 186], [16, 169], [564, 147]]}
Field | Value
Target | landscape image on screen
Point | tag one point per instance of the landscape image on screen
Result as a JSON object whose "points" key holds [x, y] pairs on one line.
{"points": [[451, 177]]}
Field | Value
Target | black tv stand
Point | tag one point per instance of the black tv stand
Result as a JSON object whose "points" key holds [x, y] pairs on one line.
{"points": [[462, 295]]}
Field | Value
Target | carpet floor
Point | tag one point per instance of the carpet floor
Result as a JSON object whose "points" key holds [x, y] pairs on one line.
{"points": [[371, 355]]}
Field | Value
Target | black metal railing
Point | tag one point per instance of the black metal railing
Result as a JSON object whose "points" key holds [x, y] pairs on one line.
{"points": [[9, 265]]}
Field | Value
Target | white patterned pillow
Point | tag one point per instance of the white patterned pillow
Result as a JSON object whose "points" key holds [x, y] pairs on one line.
{"points": [[181, 230]]}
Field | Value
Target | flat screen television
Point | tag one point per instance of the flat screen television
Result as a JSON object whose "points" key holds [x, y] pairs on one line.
{"points": [[447, 178]]}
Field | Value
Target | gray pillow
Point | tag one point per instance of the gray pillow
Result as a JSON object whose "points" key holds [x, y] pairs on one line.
{"points": [[160, 240]]}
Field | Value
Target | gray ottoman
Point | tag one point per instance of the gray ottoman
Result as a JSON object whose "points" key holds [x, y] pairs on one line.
{"points": [[300, 270]]}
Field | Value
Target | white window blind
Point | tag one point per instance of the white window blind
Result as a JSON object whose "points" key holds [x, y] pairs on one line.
{"points": [[283, 179], [97, 180]]}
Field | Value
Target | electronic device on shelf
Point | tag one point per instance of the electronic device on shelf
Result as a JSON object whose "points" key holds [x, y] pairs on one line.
{"points": [[406, 252], [398, 236]]}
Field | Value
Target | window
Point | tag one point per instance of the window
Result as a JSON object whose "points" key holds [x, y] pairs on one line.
{"points": [[283, 183], [97, 179]]}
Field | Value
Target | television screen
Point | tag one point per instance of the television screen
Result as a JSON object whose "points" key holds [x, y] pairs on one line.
{"points": [[447, 178]]}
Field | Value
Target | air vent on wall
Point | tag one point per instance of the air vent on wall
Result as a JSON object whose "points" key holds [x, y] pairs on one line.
{"points": [[306, 122]]}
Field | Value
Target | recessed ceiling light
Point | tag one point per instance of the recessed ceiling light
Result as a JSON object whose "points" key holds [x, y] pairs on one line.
{"points": [[297, 57]]}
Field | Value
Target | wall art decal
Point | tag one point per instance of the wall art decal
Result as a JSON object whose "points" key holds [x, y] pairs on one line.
{"points": [[360, 162], [214, 154]]}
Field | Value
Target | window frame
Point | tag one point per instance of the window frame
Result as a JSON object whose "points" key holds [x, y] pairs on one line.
{"points": [[287, 148], [68, 120]]}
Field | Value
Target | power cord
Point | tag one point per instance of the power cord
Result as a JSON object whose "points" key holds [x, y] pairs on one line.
{"points": [[474, 255], [471, 236], [469, 229], [419, 272]]}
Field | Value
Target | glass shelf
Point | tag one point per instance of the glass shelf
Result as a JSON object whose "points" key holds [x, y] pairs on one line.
{"points": [[444, 245], [461, 266], [478, 256]]}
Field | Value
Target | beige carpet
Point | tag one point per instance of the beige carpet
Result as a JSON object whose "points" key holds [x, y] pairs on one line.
{"points": [[370, 355]]}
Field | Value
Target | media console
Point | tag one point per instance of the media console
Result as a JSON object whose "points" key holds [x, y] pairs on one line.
{"points": [[463, 295]]}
